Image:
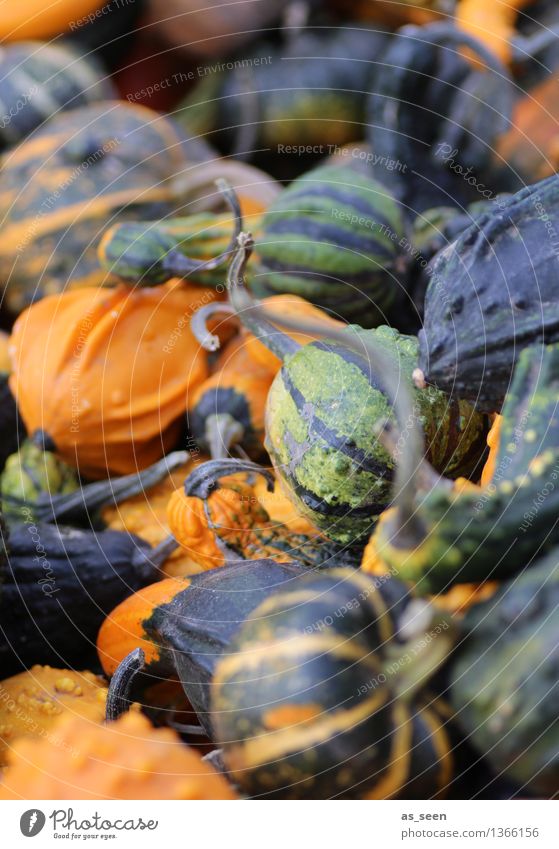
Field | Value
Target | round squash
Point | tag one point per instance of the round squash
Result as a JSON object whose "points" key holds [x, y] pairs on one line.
{"points": [[332, 237], [31, 472], [32, 702], [306, 700], [128, 759], [37, 81], [61, 188], [102, 375]]}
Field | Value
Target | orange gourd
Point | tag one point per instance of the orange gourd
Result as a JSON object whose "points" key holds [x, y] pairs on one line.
{"points": [[124, 629], [37, 19], [32, 702], [146, 516], [492, 22], [228, 408], [126, 759], [103, 374]]}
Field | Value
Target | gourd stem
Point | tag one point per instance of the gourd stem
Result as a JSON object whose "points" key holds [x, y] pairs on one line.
{"points": [[155, 557], [178, 264], [252, 317], [222, 431], [79, 504], [205, 479], [199, 327], [364, 344], [118, 697], [427, 650]]}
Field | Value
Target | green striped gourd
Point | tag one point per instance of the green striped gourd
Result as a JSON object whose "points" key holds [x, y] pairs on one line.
{"points": [[152, 252], [38, 80], [333, 237], [315, 698], [438, 534], [321, 413], [504, 683], [61, 188]]}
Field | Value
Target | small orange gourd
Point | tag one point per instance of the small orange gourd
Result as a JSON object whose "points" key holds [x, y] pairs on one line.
{"points": [[126, 759], [33, 701], [103, 375], [493, 23], [227, 409], [145, 515]]}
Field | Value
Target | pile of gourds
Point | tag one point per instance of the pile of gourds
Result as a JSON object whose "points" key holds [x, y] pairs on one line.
{"points": [[280, 385]]}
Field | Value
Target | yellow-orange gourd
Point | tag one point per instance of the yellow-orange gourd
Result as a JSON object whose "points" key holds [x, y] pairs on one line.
{"points": [[33, 701], [126, 759]]}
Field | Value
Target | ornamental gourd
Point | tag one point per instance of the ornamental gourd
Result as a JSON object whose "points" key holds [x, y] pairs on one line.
{"points": [[30, 473], [333, 236], [498, 277], [438, 103], [79, 173], [322, 409], [316, 700], [439, 534], [102, 375], [60, 584], [503, 681], [129, 759], [179, 629], [491, 23], [227, 410], [37, 81], [220, 516], [32, 702], [310, 90]]}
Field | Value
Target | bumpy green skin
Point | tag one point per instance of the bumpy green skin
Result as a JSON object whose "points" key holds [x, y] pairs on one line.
{"points": [[29, 474], [143, 253], [300, 707], [332, 237], [504, 683], [321, 412], [477, 536]]}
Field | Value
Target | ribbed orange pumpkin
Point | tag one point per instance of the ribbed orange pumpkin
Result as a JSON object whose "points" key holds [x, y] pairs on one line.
{"points": [[33, 701], [105, 373], [127, 759], [37, 19]]}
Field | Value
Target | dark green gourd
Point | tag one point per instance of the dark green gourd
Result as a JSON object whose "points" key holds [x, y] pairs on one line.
{"points": [[60, 585], [321, 414], [319, 697], [311, 90], [187, 626], [38, 80], [333, 237], [493, 292], [479, 535], [504, 683], [438, 102]]}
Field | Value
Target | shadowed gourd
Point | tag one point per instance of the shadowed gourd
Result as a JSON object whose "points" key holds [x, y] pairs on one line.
{"points": [[321, 693], [492, 293]]}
